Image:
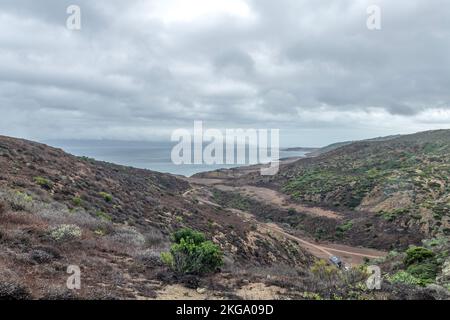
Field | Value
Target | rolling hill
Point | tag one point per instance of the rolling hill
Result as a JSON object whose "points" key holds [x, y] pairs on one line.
{"points": [[113, 221], [404, 178], [117, 224]]}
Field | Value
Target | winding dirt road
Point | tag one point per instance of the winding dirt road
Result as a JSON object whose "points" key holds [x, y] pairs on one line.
{"points": [[348, 254], [265, 195]]}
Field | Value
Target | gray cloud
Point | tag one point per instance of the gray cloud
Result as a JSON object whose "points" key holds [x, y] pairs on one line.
{"points": [[139, 68]]}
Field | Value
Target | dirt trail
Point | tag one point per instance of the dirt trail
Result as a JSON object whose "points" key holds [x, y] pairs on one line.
{"points": [[272, 197], [350, 255], [265, 195]]}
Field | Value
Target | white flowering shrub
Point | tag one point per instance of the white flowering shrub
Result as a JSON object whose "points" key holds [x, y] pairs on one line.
{"points": [[65, 232]]}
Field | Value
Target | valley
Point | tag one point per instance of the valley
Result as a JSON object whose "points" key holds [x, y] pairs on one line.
{"points": [[350, 255], [382, 202]]}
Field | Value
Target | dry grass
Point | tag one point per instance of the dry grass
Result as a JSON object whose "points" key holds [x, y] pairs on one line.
{"points": [[106, 251]]}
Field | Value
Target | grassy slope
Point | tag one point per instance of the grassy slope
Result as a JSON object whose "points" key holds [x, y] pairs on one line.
{"points": [[404, 176]]}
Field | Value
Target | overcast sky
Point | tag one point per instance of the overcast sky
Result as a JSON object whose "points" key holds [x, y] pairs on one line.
{"points": [[138, 69]]}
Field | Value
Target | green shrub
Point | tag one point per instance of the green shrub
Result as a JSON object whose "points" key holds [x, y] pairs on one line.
{"points": [[191, 253], [405, 278], [418, 255], [425, 272], [106, 196], [393, 214], [43, 182], [103, 216], [167, 258], [435, 242], [188, 234], [422, 264], [77, 201], [322, 269], [344, 227]]}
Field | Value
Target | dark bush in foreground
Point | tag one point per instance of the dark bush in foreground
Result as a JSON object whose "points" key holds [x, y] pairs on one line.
{"points": [[13, 291], [192, 254]]}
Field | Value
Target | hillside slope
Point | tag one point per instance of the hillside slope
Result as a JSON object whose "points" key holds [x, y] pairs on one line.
{"points": [[112, 221], [337, 145], [404, 180], [388, 194]]}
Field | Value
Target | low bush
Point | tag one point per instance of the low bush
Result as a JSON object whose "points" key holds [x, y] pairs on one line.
{"points": [[149, 258], [167, 258], [404, 278], [154, 238], [43, 182], [188, 234], [65, 232], [102, 215], [77, 202], [417, 255], [100, 232], [13, 291], [41, 256], [425, 272], [129, 237], [191, 253], [106, 196], [18, 201], [343, 228], [324, 271], [421, 264]]}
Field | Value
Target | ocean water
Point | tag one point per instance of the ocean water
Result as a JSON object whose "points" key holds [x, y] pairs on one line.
{"points": [[154, 156]]}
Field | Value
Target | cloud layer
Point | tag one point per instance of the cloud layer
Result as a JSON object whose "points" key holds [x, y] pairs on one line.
{"points": [[138, 69]]}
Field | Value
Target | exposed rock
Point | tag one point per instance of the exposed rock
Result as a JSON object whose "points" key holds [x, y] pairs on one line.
{"points": [[201, 290]]}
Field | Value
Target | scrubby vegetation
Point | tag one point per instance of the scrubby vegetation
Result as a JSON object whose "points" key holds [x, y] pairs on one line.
{"points": [[114, 222], [77, 201], [343, 228], [421, 265], [49, 233], [234, 200], [106, 196], [43, 182], [103, 215], [191, 253], [403, 179], [65, 232]]}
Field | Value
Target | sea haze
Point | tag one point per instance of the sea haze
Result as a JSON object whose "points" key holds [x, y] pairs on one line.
{"points": [[146, 155]]}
